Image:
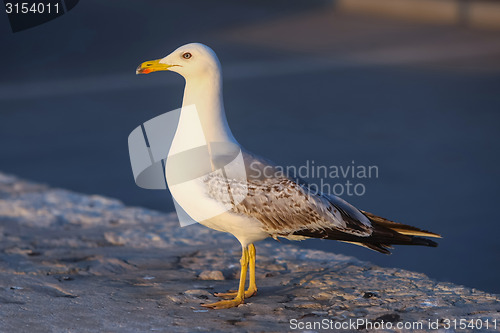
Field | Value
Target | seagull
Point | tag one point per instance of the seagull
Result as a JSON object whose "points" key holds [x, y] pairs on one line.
{"points": [[229, 189]]}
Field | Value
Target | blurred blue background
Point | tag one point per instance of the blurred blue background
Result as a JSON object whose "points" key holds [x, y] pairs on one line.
{"points": [[304, 80]]}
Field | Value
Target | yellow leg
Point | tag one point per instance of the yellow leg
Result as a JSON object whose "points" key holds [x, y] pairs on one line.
{"points": [[240, 296], [252, 287]]}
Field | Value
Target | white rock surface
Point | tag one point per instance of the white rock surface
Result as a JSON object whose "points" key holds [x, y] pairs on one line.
{"points": [[77, 263]]}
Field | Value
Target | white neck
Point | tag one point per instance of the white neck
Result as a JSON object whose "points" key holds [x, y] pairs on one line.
{"points": [[205, 93]]}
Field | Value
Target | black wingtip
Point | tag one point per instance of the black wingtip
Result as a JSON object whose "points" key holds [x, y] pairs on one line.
{"points": [[423, 241]]}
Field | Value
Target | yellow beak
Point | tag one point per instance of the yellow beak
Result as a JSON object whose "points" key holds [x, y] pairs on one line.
{"points": [[151, 66]]}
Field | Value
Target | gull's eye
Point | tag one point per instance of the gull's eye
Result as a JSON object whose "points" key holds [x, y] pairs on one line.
{"points": [[187, 55]]}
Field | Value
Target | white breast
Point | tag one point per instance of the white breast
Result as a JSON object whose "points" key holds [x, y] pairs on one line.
{"points": [[186, 181]]}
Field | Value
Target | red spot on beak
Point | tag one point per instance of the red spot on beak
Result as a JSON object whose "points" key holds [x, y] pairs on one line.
{"points": [[141, 70]]}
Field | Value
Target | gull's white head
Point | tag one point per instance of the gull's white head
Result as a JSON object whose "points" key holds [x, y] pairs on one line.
{"points": [[190, 60]]}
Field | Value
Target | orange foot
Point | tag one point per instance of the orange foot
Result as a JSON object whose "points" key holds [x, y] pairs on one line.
{"points": [[225, 304]]}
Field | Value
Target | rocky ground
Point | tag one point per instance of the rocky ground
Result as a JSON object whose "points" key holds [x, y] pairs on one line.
{"points": [[76, 263]]}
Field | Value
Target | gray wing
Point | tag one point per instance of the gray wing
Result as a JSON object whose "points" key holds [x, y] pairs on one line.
{"points": [[285, 205]]}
